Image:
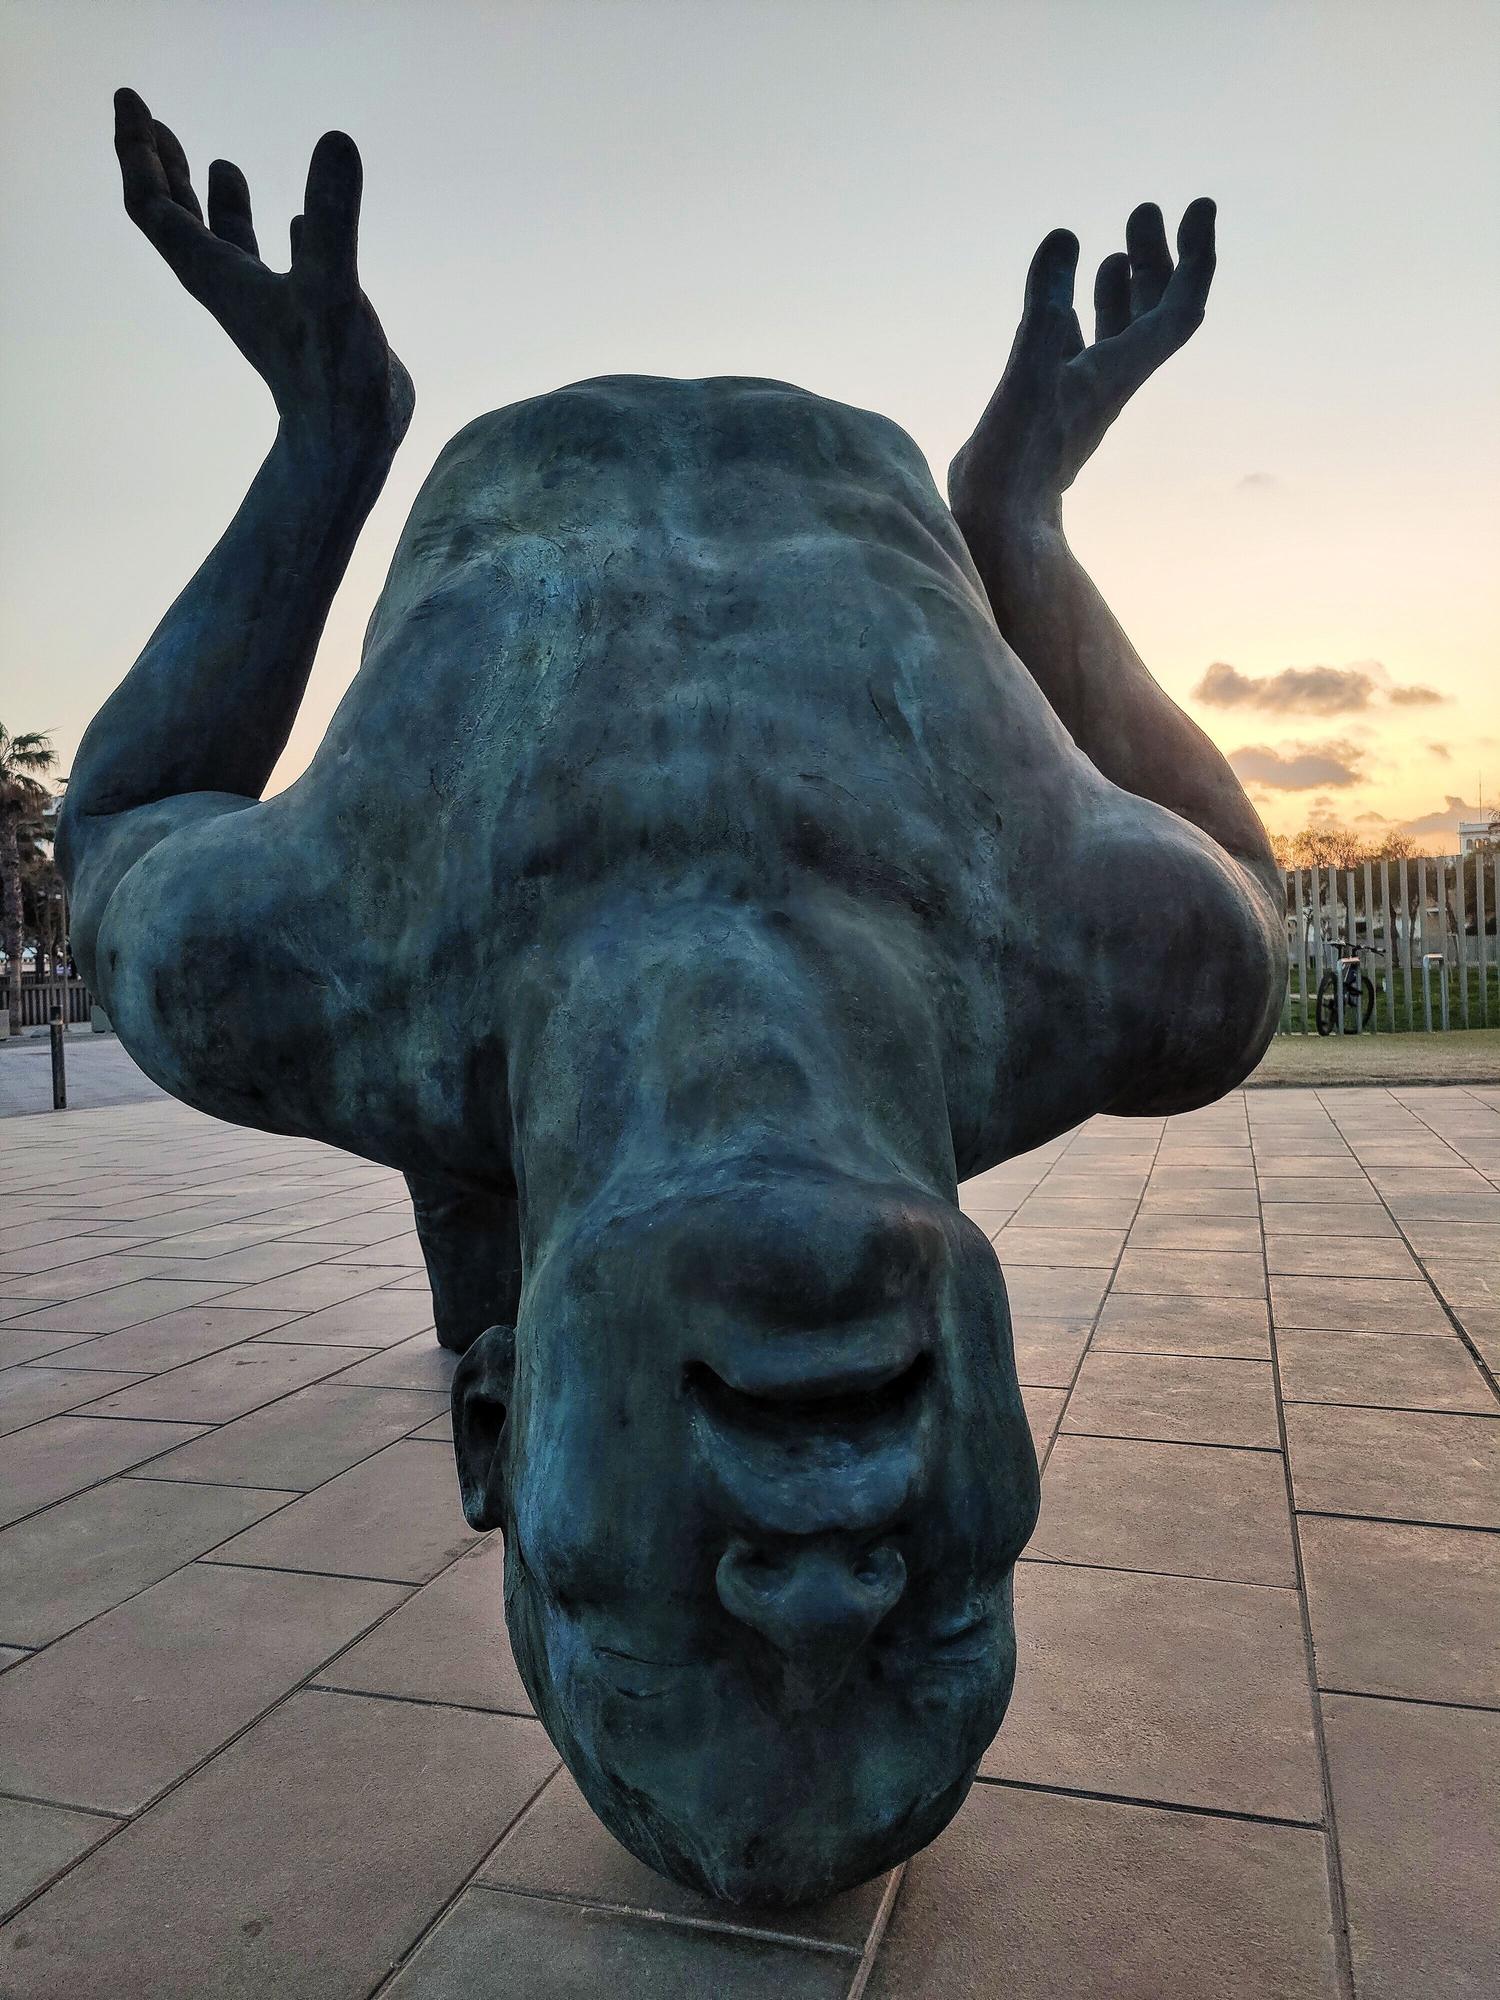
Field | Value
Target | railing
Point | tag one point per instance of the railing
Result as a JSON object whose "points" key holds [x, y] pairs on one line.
{"points": [[1430, 921], [40, 996]]}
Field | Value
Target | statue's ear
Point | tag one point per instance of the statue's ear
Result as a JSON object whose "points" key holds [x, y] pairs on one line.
{"points": [[481, 1400]]}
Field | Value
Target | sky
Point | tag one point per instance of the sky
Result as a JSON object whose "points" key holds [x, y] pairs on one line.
{"points": [[1296, 521]]}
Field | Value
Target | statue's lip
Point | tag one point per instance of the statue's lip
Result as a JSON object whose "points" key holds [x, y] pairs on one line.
{"points": [[783, 1370]]}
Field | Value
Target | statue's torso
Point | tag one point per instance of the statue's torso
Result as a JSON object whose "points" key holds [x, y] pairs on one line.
{"points": [[649, 639]]}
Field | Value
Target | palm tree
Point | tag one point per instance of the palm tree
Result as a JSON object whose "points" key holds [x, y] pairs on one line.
{"points": [[23, 762]]}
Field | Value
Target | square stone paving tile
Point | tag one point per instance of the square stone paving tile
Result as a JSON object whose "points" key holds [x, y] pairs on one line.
{"points": [[307, 1290], [304, 1860], [1331, 1195], [558, 1951], [1239, 1204], [36, 1841], [1156, 1230], [1036, 1896], [394, 1517], [68, 1284], [306, 1438], [1402, 1371], [1291, 1255], [175, 1338], [1466, 1281], [1358, 1305], [1161, 1687], [1409, 1611], [1419, 1837], [416, 1363], [1395, 1464], [228, 1384], [1044, 1408], [1096, 1248], [31, 1393], [373, 1320], [1182, 1398], [1225, 1274], [62, 1455], [1339, 1222], [1448, 1239], [447, 1642], [37, 1344], [1054, 1293], [120, 1305], [376, 1225], [560, 1849], [1048, 1351], [75, 1560], [1139, 1323], [113, 1713], [1052, 1212], [1179, 1509]]}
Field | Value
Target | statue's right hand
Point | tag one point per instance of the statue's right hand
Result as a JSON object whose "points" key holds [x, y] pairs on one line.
{"points": [[310, 332], [1058, 397]]}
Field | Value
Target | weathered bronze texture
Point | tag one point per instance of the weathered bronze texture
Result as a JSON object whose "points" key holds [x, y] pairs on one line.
{"points": [[723, 850]]}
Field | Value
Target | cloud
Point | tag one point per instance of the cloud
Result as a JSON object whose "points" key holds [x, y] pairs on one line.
{"points": [[1441, 750], [1372, 819], [1258, 482], [1454, 809], [1298, 767], [1308, 690]]}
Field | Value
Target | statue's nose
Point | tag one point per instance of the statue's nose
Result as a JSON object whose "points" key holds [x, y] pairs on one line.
{"points": [[816, 1602]]}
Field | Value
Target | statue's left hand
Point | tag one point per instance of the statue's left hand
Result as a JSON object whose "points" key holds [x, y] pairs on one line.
{"points": [[310, 332], [1057, 397]]}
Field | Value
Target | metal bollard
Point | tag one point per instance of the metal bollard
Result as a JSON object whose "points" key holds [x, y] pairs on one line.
{"points": [[59, 1063]]}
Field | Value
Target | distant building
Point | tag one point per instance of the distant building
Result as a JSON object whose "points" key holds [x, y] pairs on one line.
{"points": [[1473, 833]]}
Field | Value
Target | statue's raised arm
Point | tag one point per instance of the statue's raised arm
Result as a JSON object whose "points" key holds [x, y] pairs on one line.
{"points": [[1055, 401], [196, 728]]}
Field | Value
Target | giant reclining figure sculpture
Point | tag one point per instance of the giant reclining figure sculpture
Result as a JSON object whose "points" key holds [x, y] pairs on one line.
{"points": [[723, 850]]}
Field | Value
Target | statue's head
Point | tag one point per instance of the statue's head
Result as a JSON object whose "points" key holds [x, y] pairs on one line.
{"points": [[763, 1472]]}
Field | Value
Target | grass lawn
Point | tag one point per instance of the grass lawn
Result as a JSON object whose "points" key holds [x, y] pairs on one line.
{"points": [[1314, 1059]]}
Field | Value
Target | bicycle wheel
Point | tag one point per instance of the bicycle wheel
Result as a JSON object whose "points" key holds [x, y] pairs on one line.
{"points": [[1366, 1001], [1326, 1006]]}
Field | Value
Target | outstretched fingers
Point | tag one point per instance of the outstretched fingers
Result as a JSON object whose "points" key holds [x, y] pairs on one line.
{"points": [[1049, 330], [1196, 260], [229, 207], [328, 238], [160, 201], [1112, 296], [175, 167], [1157, 331], [1150, 259]]}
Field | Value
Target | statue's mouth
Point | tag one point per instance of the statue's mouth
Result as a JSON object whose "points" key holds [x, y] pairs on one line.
{"points": [[839, 1448]]}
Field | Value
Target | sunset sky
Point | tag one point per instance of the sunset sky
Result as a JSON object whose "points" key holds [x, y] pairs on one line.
{"points": [[1297, 521]]}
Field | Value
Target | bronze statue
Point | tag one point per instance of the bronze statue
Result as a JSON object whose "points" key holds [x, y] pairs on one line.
{"points": [[723, 850]]}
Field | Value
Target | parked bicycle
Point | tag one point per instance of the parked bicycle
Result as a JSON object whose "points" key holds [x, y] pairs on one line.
{"points": [[1358, 993]]}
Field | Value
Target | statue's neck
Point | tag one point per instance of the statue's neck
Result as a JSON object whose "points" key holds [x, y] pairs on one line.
{"points": [[670, 1044]]}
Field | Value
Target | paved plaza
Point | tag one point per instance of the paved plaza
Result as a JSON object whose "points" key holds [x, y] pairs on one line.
{"points": [[261, 1734]]}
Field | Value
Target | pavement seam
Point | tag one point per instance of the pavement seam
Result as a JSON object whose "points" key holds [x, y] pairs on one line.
{"points": [[1333, 1858]]}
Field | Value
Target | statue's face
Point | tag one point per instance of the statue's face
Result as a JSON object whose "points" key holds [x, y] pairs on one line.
{"points": [[767, 1474]]}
